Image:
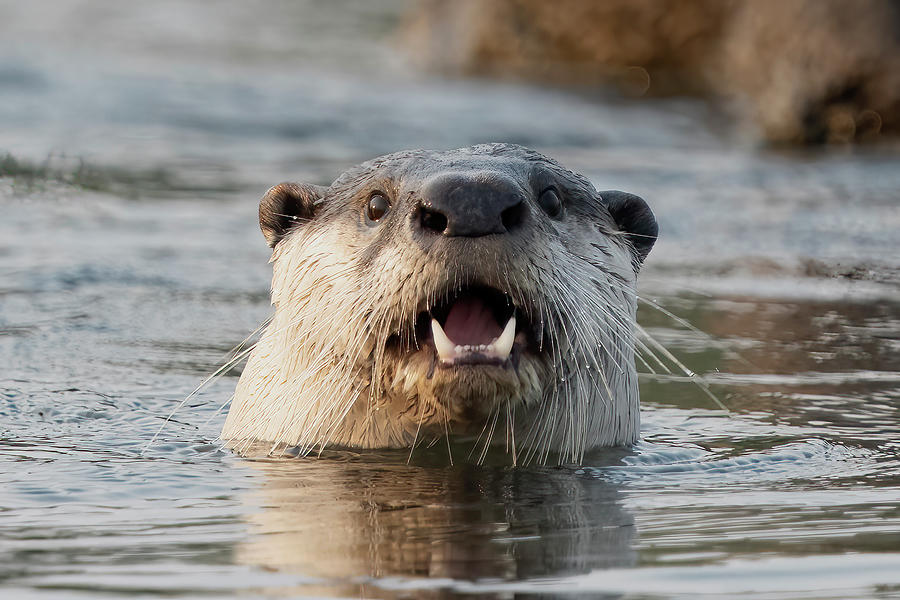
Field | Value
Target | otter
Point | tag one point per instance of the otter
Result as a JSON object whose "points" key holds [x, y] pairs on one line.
{"points": [[485, 293]]}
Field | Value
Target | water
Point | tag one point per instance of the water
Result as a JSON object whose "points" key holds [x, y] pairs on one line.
{"points": [[139, 140]]}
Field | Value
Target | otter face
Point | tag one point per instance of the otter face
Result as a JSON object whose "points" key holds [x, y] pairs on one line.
{"points": [[427, 293]]}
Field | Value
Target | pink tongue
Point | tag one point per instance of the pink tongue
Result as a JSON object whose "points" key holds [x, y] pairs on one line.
{"points": [[471, 323]]}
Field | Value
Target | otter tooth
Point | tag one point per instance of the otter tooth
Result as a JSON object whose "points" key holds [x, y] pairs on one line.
{"points": [[503, 344], [446, 349]]}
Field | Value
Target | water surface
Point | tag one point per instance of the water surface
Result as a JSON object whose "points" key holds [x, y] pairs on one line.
{"points": [[137, 143]]}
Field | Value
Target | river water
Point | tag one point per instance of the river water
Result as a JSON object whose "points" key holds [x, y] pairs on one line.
{"points": [[137, 141]]}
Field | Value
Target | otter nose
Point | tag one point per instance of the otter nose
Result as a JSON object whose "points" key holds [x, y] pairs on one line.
{"points": [[471, 206]]}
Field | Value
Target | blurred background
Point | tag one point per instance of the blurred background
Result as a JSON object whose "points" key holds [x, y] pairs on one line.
{"points": [[137, 138]]}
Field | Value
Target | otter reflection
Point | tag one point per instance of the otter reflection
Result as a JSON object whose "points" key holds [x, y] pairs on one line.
{"points": [[343, 516]]}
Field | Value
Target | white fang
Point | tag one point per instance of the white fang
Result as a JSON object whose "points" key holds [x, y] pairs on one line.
{"points": [[448, 352]]}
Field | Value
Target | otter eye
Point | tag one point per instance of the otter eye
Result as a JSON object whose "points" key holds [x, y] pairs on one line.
{"points": [[377, 207], [550, 202]]}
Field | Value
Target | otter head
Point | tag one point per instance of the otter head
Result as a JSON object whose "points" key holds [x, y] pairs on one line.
{"points": [[485, 292]]}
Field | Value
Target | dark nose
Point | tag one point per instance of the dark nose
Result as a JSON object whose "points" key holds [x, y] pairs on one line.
{"points": [[471, 205]]}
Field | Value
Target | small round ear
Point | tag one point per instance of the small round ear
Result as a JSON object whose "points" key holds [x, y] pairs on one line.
{"points": [[285, 206], [635, 218]]}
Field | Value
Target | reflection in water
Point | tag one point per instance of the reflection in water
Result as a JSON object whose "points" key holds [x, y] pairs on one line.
{"points": [[829, 366], [346, 516]]}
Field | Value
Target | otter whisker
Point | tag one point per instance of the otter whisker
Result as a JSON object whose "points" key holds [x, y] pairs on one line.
{"points": [[482, 434], [511, 433], [489, 424], [218, 410], [415, 437], [685, 323], [698, 379], [447, 438], [223, 369]]}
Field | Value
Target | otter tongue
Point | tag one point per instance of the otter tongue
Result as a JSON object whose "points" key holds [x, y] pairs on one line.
{"points": [[471, 323]]}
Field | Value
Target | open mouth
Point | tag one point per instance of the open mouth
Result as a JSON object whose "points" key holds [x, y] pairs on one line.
{"points": [[478, 325]]}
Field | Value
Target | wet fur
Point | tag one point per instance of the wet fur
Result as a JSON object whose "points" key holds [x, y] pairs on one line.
{"points": [[339, 364]]}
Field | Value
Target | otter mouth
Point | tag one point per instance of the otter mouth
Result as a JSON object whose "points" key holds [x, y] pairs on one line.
{"points": [[475, 326]]}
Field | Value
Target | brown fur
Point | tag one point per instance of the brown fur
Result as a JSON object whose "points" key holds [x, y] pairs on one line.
{"points": [[800, 71]]}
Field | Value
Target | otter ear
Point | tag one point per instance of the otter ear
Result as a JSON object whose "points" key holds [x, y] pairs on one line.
{"points": [[285, 206], [635, 218]]}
